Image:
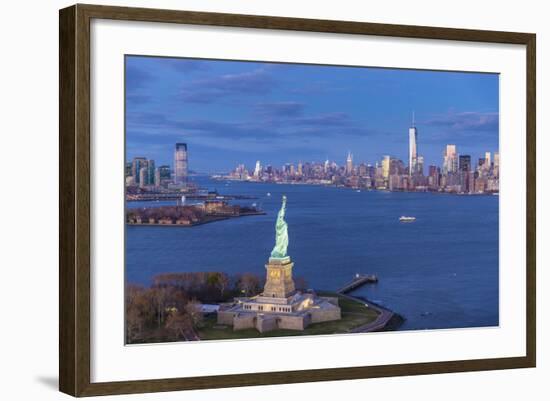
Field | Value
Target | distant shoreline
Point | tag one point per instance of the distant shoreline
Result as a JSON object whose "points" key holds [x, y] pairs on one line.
{"points": [[326, 185]]}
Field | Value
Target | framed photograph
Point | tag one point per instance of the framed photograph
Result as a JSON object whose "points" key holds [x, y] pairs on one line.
{"points": [[250, 200]]}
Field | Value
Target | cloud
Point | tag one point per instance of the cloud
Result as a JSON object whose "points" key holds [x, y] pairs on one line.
{"points": [[185, 65], [136, 78], [135, 99], [283, 132], [466, 122], [208, 90], [334, 119], [279, 109]]}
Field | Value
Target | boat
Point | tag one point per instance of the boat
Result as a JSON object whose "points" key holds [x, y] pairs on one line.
{"points": [[407, 219]]}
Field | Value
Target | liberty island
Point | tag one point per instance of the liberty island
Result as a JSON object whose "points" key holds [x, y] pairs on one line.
{"points": [[280, 305]]}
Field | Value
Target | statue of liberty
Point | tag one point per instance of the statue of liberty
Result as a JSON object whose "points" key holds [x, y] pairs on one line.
{"points": [[281, 234]]}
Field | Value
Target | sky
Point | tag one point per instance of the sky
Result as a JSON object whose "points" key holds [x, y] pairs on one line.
{"points": [[233, 112]]}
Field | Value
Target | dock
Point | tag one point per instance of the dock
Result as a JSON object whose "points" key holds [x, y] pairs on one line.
{"points": [[357, 281]]}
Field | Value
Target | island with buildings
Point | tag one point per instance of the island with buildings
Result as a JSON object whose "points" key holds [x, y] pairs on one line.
{"points": [[188, 215]]}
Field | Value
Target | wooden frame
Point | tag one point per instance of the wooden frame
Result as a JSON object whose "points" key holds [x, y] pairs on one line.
{"points": [[74, 199]]}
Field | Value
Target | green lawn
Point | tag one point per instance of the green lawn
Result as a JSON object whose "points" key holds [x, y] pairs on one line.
{"points": [[354, 314]]}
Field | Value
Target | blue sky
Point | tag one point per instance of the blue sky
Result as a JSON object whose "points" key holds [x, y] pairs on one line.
{"points": [[231, 112]]}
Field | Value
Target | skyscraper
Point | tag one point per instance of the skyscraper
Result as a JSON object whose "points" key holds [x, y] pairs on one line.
{"points": [[419, 169], [496, 164], [257, 169], [150, 172], [464, 163], [180, 163], [386, 167], [137, 164], [413, 133], [450, 160], [143, 177], [349, 164]]}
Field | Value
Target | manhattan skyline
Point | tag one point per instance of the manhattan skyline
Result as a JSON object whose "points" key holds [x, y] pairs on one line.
{"points": [[232, 111]]}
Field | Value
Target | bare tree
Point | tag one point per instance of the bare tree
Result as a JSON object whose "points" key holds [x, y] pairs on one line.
{"points": [[179, 323], [193, 310], [249, 284], [160, 297]]}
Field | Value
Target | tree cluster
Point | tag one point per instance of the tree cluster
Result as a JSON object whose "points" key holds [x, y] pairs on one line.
{"points": [[191, 213], [169, 310]]}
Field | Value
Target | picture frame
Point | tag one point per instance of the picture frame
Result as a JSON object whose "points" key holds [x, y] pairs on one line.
{"points": [[75, 198]]}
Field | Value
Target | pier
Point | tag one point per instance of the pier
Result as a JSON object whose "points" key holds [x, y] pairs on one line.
{"points": [[386, 320], [358, 281]]}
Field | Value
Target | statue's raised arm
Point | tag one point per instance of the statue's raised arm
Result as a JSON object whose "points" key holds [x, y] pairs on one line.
{"points": [[283, 208], [281, 234]]}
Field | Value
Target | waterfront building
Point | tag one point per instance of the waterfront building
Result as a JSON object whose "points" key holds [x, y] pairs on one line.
{"points": [[180, 164], [496, 164], [471, 182], [480, 166], [158, 180], [480, 184], [165, 173], [492, 184], [395, 182], [143, 177], [280, 305], [137, 164], [487, 160], [433, 177], [150, 172], [127, 169], [413, 137]]}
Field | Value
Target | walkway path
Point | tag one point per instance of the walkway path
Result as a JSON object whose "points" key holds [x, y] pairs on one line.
{"points": [[382, 320]]}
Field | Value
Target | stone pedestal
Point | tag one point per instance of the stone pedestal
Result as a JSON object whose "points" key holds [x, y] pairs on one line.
{"points": [[279, 282]]}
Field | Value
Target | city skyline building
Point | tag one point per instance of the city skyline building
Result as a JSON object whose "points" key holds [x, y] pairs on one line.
{"points": [[257, 169], [349, 164], [464, 163], [450, 160], [413, 150], [386, 167], [496, 164], [180, 164], [137, 164]]}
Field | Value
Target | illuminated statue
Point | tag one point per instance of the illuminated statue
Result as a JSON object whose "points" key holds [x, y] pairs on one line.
{"points": [[281, 234]]}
